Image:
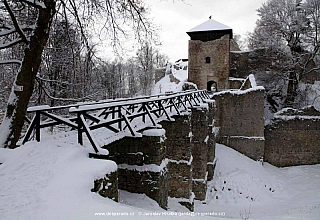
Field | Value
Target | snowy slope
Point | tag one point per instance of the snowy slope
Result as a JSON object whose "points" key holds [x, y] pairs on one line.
{"points": [[244, 188], [180, 74], [53, 180]]}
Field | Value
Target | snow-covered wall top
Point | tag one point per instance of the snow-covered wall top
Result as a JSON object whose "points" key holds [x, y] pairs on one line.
{"points": [[239, 92]]}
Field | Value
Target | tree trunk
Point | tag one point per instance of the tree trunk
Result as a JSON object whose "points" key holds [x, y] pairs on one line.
{"points": [[18, 101]]}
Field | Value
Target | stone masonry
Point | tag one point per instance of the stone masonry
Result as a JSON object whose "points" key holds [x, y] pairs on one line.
{"points": [[240, 118], [107, 186], [176, 161], [142, 166], [217, 70], [199, 145], [180, 157], [293, 138], [211, 141]]}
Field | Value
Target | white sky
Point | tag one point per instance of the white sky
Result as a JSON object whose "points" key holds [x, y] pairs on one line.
{"points": [[175, 18]]}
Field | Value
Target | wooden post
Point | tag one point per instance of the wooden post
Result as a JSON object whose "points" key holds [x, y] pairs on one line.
{"points": [[119, 116], [37, 121], [80, 140]]}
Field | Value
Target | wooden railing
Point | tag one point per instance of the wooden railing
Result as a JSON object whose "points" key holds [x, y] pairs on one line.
{"points": [[114, 115]]}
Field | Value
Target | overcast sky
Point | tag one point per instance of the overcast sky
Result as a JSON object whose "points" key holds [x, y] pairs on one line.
{"points": [[175, 18]]}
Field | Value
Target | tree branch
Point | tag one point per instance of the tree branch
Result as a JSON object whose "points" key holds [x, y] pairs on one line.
{"points": [[2, 62], [12, 30], [15, 23], [67, 99], [11, 43], [34, 3]]}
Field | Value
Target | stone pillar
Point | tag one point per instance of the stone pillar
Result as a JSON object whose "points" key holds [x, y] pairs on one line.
{"points": [[199, 143], [211, 140], [179, 156], [142, 167]]}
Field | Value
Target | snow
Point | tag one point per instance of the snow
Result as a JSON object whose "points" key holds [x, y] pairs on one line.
{"points": [[38, 108], [40, 178], [252, 80], [248, 137], [154, 132], [165, 85], [242, 186], [148, 167], [239, 92], [53, 179], [4, 130], [209, 25], [236, 79]]}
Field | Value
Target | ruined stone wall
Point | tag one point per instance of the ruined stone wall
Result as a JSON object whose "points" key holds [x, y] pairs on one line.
{"points": [[159, 74], [235, 83], [107, 186], [217, 70], [293, 140], [179, 155], [175, 161], [240, 119], [199, 143], [142, 167]]}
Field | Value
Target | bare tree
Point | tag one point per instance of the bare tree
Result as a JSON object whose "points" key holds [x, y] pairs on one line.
{"points": [[34, 36]]}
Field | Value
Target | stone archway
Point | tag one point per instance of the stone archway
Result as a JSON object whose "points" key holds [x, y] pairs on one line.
{"points": [[212, 86]]}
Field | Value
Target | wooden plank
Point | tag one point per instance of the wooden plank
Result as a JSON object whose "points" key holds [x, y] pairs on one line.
{"points": [[175, 106], [185, 107], [89, 134], [99, 156], [129, 125], [37, 126], [150, 116], [61, 119], [80, 125], [29, 130], [165, 111], [106, 124], [28, 120]]}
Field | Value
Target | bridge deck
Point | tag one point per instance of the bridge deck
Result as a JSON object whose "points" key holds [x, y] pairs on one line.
{"points": [[126, 116]]}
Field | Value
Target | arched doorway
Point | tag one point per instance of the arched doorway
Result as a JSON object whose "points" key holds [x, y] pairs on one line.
{"points": [[212, 86]]}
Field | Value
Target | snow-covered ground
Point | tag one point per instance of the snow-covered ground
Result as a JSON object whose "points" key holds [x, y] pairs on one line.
{"points": [[181, 74], [53, 179], [244, 188]]}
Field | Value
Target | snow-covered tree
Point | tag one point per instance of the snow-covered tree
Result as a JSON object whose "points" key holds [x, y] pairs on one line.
{"points": [[282, 21], [119, 15]]}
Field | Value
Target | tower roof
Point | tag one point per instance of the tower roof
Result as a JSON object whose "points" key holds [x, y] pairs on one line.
{"points": [[209, 25]]}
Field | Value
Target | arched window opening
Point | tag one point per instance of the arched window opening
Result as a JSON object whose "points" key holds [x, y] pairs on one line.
{"points": [[212, 86]]}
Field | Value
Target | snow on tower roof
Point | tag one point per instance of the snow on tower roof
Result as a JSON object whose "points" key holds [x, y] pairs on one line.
{"points": [[209, 25]]}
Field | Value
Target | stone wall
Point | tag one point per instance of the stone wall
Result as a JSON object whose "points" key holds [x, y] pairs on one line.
{"points": [[107, 186], [217, 70], [235, 83], [240, 119], [159, 74], [199, 143], [293, 139], [177, 164], [180, 157], [142, 167]]}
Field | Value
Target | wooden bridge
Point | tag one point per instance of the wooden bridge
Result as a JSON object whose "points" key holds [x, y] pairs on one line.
{"points": [[117, 115]]}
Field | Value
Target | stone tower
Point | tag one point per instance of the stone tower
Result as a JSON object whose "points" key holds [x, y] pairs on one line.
{"points": [[209, 55]]}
